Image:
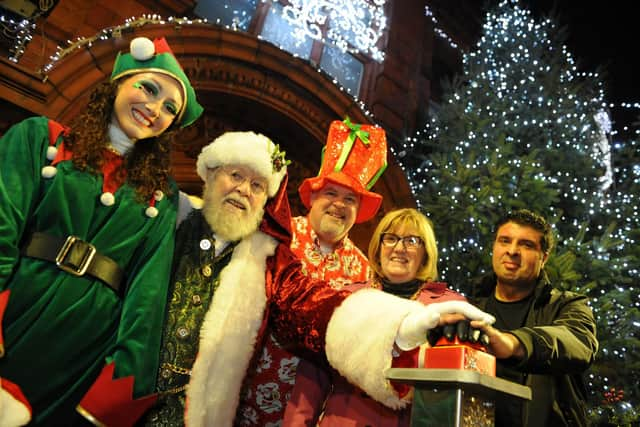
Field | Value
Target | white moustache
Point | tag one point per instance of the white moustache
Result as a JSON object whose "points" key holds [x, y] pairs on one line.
{"points": [[238, 201]]}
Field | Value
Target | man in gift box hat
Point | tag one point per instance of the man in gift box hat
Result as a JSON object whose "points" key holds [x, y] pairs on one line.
{"points": [[353, 159]]}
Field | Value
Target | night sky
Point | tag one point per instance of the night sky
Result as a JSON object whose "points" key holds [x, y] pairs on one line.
{"points": [[603, 34]]}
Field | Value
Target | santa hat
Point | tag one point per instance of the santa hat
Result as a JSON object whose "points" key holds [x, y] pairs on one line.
{"points": [[248, 149], [156, 56], [355, 156]]}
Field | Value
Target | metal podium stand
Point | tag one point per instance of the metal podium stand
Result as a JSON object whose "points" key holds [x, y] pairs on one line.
{"points": [[455, 397]]}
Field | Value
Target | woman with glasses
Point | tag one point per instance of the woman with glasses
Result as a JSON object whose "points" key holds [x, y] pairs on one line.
{"points": [[403, 256]]}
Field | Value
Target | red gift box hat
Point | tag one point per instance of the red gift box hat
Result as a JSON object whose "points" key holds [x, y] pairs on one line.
{"points": [[355, 156]]}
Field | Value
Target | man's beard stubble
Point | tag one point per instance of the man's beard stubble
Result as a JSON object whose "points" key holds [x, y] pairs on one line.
{"points": [[331, 227]]}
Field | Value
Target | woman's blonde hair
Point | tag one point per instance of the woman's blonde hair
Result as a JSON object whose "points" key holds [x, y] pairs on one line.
{"points": [[395, 220]]}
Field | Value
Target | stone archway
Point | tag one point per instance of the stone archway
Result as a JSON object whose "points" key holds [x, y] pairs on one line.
{"points": [[244, 84]]}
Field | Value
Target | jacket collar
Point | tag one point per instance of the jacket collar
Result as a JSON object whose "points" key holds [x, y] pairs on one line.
{"points": [[485, 286]]}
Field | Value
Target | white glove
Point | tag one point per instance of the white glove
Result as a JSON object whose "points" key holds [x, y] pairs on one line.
{"points": [[413, 329]]}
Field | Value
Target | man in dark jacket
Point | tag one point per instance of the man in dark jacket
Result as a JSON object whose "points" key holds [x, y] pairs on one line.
{"points": [[543, 337]]}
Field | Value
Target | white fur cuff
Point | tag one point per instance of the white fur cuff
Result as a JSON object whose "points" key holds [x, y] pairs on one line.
{"points": [[360, 339]]}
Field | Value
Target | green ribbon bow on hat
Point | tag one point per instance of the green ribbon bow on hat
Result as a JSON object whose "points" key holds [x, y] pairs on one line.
{"points": [[355, 132]]}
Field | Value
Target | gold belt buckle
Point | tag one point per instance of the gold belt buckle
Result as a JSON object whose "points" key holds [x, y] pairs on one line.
{"points": [[86, 260]]}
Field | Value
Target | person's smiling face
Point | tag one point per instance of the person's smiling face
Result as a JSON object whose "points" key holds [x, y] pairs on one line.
{"points": [[234, 199], [146, 104], [401, 261], [333, 212]]}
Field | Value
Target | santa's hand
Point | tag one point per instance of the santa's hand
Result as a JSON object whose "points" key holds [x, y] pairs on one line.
{"points": [[415, 326]]}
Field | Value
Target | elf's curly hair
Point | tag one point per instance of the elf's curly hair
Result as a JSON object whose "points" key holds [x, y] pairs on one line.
{"points": [[146, 164]]}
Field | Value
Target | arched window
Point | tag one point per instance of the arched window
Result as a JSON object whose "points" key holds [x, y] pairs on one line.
{"points": [[341, 37]]}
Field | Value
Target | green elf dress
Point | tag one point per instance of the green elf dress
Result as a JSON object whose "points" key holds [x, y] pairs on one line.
{"points": [[73, 343]]}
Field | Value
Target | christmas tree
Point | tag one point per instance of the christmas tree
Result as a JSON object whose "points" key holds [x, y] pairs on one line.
{"points": [[523, 128], [617, 371]]}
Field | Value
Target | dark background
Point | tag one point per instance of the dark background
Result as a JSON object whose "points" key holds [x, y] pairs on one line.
{"points": [[603, 34]]}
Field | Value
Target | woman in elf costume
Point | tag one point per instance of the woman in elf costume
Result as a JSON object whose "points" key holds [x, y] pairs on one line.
{"points": [[87, 220]]}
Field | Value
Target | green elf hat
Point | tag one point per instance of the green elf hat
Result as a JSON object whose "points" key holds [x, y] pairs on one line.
{"points": [[156, 56]]}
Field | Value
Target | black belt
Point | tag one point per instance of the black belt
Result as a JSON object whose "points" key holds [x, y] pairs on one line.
{"points": [[75, 256]]}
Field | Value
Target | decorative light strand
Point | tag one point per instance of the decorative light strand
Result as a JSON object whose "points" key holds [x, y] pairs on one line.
{"points": [[20, 31], [113, 32], [355, 25], [131, 23], [439, 31]]}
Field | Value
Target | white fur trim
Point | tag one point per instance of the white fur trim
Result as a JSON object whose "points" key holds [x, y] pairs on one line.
{"points": [[360, 339], [49, 171], [242, 148], [12, 411], [228, 335], [186, 203], [142, 48], [51, 152], [151, 212], [158, 195], [107, 198]]}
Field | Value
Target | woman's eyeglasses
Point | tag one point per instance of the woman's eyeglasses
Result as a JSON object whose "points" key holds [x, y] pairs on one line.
{"points": [[409, 242]]}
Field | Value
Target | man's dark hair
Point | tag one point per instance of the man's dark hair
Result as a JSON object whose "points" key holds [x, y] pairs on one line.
{"points": [[530, 219]]}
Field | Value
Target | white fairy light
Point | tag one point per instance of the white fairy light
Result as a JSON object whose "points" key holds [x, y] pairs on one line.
{"points": [[355, 26], [21, 31], [133, 22]]}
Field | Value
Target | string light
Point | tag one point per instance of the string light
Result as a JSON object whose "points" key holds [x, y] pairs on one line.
{"points": [[114, 32], [355, 26], [154, 19], [20, 31], [439, 31]]}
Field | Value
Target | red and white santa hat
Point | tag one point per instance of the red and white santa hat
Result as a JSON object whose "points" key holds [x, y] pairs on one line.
{"points": [[249, 149]]}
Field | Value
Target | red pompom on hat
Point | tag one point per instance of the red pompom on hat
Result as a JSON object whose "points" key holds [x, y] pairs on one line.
{"points": [[355, 156]]}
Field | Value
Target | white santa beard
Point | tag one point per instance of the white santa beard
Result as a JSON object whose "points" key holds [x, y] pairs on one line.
{"points": [[231, 225]]}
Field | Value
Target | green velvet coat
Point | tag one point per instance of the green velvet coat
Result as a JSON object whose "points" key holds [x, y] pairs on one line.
{"points": [[59, 329]]}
